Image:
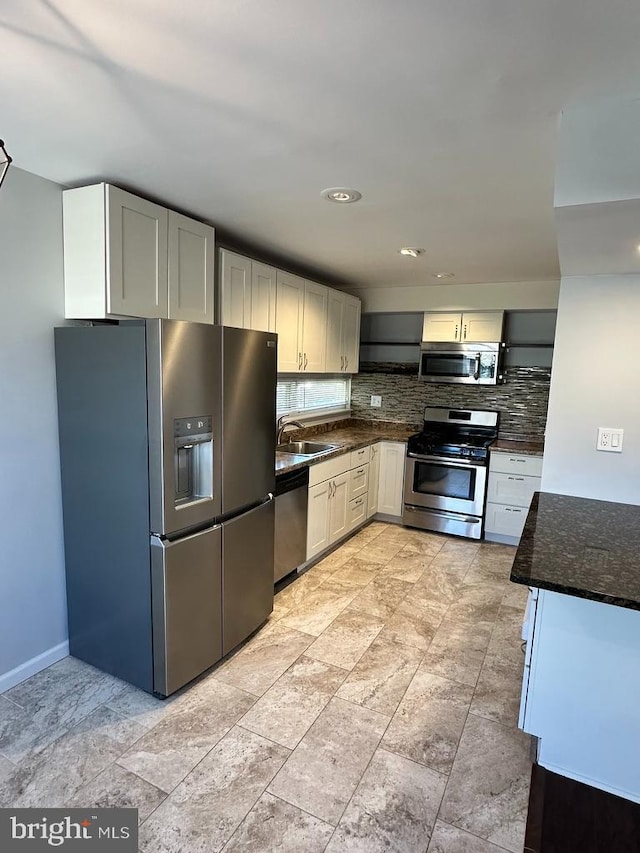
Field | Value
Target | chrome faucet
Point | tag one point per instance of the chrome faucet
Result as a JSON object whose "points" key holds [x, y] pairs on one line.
{"points": [[281, 425]]}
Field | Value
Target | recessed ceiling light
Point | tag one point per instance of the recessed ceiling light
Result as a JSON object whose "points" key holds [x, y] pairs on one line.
{"points": [[410, 251], [341, 195], [443, 275]]}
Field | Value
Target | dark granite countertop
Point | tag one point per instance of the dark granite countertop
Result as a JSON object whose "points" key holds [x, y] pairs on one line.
{"points": [[347, 438], [528, 447], [581, 547]]}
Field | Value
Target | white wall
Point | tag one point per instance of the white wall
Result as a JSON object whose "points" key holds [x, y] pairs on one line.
{"points": [[595, 382], [33, 629], [597, 151], [506, 295]]}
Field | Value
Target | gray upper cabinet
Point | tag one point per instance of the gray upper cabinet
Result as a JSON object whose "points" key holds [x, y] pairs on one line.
{"points": [[125, 256]]}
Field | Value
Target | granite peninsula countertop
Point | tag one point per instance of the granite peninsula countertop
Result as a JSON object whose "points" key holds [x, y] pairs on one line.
{"points": [[347, 438], [581, 547]]}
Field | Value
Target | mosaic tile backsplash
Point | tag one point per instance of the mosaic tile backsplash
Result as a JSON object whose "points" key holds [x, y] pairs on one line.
{"points": [[522, 400]]}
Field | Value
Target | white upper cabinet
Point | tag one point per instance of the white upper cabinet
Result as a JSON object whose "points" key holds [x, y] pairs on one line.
{"points": [[343, 333], [301, 322], [263, 298], [235, 289], [351, 334], [467, 327], [191, 262], [289, 321], [314, 328], [125, 256], [247, 293]]}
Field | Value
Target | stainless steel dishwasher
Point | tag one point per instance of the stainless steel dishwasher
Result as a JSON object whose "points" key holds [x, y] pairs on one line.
{"points": [[291, 503]]}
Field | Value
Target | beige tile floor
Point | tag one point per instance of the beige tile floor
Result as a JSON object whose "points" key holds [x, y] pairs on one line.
{"points": [[375, 711]]}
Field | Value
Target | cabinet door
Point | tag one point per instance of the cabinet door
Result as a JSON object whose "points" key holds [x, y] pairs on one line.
{"points": [[512, 489], [263, 298], [235, 289], [505, 520], [289, 316], [442, 327], [357, 512], [374, 480], [318, 518], [335, 315], [314, 334], [391, 477], [351, 334], [136, 256], [483, 326], [339, 508], [190, 269]]}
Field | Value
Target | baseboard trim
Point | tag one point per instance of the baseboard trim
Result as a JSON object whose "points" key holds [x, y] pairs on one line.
{"points": [[30, 667]]}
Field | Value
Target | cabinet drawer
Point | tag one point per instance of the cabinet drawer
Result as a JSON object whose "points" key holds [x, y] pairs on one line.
{"points": [[359, 457], [358, 481], [357, 511], [514, 489], [331, 468], [513, 463], [505, 520]]}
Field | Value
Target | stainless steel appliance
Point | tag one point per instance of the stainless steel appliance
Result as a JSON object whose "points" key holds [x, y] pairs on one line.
{"points": [[446, 471], [292, 496], [167, 433], [474, 364]]}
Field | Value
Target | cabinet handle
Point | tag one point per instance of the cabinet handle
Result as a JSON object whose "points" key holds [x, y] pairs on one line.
{"points": [[508, 509], [456, 334], [299, 361], [306, 361], [341, 362], [517, 479], [357, 503], [332, 489], [518, 460], [464, 334], [346, 362], [360, 471]]}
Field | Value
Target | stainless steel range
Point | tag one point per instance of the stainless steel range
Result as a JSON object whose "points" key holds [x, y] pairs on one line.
{"points": [[445, 478]]}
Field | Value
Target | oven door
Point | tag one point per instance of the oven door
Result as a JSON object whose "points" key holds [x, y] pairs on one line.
{"points": [[444, 484]]}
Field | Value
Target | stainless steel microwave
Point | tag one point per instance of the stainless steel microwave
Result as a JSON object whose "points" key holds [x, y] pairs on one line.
{"points": [[473, 364]]}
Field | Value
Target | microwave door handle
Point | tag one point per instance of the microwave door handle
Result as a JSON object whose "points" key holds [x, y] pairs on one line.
{"points": [[476, 375]]}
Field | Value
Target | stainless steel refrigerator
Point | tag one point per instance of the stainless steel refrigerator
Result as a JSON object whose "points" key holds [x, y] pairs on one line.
{"points": [[167, 436]]}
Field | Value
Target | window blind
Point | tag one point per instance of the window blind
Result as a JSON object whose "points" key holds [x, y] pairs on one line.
{"points": [[313, 396]]}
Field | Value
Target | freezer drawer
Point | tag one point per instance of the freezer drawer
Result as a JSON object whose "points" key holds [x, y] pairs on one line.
{"points": [[247, 576], [187, 607]]}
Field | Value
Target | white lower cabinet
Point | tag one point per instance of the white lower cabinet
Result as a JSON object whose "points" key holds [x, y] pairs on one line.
{"points": [[391, 477], [513, 478], [318, 518], [374, 479], [338, 499], [338, 508]]}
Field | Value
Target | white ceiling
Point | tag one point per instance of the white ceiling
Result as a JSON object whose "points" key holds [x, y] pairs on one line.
{"points": [[443, 113]]}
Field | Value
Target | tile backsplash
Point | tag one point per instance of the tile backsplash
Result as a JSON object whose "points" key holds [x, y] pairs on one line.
{"points": [[522, 400]]}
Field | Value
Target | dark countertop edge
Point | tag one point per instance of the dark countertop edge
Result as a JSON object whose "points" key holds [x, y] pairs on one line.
{"points": [[578, 592], [523, 447], [283, 465]]}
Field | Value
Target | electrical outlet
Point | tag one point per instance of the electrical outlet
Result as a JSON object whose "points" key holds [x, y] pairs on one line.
{"points": [[376, 401], [610, 439]]}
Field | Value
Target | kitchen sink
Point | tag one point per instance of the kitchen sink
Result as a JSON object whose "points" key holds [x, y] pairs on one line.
{"points": [[305, 448]]}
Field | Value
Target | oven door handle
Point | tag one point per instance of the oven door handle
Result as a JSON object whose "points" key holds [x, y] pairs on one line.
{"points": [[476, 374], [442, 461], [468, 519]]}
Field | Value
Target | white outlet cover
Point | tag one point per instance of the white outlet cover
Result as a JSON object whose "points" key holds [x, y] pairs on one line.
{"points": [[376, 401], [610, 439]]}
